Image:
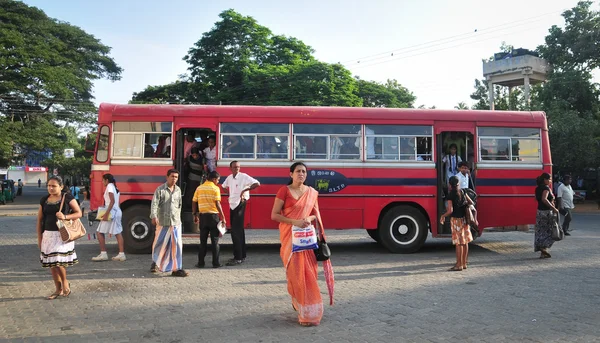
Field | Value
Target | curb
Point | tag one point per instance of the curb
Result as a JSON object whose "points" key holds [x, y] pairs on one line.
{"points": [[25, 214]]}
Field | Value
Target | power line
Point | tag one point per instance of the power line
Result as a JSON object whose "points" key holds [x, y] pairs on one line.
{"points": [[452, 38], [435, 50]]}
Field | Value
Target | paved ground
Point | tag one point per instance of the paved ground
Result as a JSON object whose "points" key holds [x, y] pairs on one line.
{"points": [[507, 294]]}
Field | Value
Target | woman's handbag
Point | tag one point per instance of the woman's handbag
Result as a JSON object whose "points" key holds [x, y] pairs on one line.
{"points": [[557, 232], [70, 230], [322, 253]]}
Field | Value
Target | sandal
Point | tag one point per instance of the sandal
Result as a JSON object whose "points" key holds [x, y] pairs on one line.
{"points": [[69, 292], [154, 268], [455, 269], [307, 324], [53, 296]]}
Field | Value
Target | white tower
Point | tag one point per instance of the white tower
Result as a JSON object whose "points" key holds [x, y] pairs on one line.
{"points": [[518, 68]]}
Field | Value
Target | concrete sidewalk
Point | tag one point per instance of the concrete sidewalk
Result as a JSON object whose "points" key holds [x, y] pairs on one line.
{"points": [[25, 205]]}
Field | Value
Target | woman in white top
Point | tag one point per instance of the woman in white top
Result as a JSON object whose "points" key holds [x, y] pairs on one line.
{"points": [[111, 221], [210, 155]]}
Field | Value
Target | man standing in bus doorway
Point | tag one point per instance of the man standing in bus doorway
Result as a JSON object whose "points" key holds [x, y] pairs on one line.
{"points": [[165, 213], [239, 185], [452, 160], [564, 203]]}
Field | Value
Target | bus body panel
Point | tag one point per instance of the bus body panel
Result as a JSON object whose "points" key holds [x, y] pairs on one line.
{"points": [[363, 191]]}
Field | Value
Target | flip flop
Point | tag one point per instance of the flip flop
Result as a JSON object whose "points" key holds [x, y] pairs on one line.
{"points": [[69, 292], [53, 296]]}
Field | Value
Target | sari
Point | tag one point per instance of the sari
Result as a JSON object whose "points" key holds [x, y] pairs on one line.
{"points": [[301, 267]]}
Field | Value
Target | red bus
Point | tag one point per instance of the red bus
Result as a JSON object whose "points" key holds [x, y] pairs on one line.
{"points": [[377, 169]]}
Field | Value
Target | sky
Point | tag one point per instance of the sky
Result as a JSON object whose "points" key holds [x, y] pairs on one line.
{"points": [[437, 45]]}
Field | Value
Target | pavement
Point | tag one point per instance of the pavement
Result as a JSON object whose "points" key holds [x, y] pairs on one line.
{"points": [[508, 294]]}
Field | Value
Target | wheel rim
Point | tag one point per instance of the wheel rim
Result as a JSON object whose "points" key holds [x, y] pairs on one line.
{"points": [[139, 230], [404, 230]]}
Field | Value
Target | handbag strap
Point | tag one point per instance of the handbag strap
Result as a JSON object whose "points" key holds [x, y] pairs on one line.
{"points": [[320, 227], [62, 202]]}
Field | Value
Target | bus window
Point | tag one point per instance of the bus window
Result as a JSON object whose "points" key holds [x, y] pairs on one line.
{"points": [[254, 140], [102, 152], [509, 144], [142, 139], [396, 142], [321, 142]]}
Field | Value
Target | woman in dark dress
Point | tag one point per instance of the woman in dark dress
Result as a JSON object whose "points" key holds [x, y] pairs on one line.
{"points": [[54, 253], [546, 215]]}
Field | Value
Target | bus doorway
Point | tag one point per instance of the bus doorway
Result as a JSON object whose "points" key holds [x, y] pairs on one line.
{"points": [[191, 161], [454, 148]]}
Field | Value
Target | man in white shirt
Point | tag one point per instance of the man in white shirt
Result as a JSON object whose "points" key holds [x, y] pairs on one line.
{"points": [[239, 185], [564, 201]]}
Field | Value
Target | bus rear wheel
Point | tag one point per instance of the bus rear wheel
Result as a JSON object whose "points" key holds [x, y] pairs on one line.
{"points": [[403, 230], [138, 231]]}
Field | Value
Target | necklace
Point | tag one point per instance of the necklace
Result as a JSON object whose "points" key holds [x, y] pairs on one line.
{"points": [[296, 190]]}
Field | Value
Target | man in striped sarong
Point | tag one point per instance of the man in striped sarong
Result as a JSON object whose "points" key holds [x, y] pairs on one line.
{"points": [[165, 213]]}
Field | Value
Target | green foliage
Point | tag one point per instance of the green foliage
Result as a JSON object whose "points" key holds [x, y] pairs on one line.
{"points": [[47, 69], [391, 94], [241, 62], [574, 47], [503, 98]]}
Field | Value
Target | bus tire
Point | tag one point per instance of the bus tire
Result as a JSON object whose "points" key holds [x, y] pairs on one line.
{"points": [[375, 235], [138, 231], [403, 230]]}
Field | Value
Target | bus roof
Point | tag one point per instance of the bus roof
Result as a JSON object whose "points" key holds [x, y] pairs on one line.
{"points": [[143, 112]]}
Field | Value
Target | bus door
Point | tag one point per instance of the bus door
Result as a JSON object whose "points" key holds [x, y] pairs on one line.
{"points": [[191, 132], [459, 136]]}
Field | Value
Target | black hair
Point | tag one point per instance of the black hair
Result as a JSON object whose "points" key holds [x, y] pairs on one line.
{"points": [[463, 163], [232, 162], [57, 179], [173, 170], [293, 169], [214, 175], [567, 177], [195, 150], [453, 146], [540, 179], [454, 187], [111, 179]]}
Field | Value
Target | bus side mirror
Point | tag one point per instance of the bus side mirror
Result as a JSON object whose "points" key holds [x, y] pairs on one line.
{"points": [[90, 142]]}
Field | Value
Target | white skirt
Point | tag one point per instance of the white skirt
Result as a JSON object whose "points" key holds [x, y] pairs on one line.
{"points": [[56, 253], [114, 226]]}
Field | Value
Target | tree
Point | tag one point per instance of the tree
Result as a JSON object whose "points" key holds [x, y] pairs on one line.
{"points": [[47, 68], [461, 106], [241, 62], [391, 94]]}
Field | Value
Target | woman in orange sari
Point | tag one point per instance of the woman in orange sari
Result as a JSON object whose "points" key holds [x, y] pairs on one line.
{"points": [[297, 205]]}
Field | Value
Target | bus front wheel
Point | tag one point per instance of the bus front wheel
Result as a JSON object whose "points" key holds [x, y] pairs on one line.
{"points": [[138, 231], [403, 230]]}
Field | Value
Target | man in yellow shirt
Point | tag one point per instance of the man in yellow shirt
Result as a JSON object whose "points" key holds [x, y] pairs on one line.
{"points": [[207, 209]]}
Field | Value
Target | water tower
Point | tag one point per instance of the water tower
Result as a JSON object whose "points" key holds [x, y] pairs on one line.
{"points": [[520, 67]]}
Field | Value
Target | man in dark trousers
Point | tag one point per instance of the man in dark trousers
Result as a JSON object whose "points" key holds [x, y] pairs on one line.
{"points": [[565, 204], [206, 205], [239, 185]]}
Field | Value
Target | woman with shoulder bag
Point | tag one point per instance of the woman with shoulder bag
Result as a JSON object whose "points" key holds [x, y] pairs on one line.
{"points": [[297, 205], [54, 253], [545, 217], [458, 203]]}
